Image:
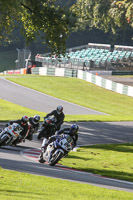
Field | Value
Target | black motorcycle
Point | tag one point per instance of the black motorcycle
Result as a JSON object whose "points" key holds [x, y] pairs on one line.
{"points": [[48, 127]]}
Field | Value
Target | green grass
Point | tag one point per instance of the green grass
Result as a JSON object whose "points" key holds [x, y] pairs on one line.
{"points": [[108, 160], [119, 107], [11, 111], [111, 160], [22, 186]]}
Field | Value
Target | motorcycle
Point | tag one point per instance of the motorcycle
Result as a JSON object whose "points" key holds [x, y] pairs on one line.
{"points": [[48, 127], [56, 149], [9, 134]]}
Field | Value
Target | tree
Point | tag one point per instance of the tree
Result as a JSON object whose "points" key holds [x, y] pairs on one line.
{"points": [[53, 20], [8, 14], [104, 14], [41, 17]]}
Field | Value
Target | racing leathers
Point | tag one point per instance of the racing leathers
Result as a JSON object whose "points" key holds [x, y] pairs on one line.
{"points": [[33, 127], [23, 132], [65, 131], [60, 118]]}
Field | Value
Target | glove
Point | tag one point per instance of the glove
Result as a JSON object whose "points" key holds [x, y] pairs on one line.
{"points": [[57, 133], [7, 124]]}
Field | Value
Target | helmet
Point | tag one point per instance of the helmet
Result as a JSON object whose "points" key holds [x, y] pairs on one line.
{"points": [[36, 118], [74, 129], [25, 119], [59, 109]]}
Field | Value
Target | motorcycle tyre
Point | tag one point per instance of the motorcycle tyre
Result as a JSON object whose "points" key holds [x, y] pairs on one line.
{"points": [[41, 134], [3, 141], [40, 159], [54, 161]]}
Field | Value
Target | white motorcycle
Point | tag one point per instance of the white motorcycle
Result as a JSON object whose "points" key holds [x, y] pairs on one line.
{"points": [[9, 134], [57, 149]]}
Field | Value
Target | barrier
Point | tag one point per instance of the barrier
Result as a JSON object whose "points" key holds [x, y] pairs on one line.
{"points": [[25, 71], [87, 76], [107, 84], [51, 71]]}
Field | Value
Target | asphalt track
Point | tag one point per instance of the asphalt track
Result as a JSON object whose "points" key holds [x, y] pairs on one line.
{"points": [[13, 158], [39, 101], [18, 158]]}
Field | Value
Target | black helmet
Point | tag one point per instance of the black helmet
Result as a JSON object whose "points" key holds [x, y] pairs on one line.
{"points": [[59, 109], [36, 118], [74, 129], [25, 119]]}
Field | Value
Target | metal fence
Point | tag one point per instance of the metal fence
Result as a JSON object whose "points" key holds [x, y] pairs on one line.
{"points": [[24, 55]]}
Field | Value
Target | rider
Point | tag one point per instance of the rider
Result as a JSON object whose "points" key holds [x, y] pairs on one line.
{"points": [[23, 122], [34, 125], [59, 115], [72, 131]]}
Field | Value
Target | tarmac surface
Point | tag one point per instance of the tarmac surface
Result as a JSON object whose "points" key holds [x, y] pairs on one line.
{"points": [[119, 79], [24, 157], [14, 158], [39, 101]]}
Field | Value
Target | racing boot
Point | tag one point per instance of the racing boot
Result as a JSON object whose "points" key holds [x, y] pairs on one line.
{"points": [[40, 159]]}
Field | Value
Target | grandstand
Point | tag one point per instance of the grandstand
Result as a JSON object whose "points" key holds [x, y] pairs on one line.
{"points": [[91, 57]]}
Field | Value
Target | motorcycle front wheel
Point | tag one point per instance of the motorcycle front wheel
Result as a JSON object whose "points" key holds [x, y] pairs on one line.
{"points": [[55, 158], [40, 159], [41, 134], [3, 140]]}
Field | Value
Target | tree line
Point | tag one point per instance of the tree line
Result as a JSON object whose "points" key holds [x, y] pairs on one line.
{"points": [[53, 21]]}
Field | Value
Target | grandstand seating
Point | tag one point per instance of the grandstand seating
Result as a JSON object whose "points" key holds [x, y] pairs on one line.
{"points": [[95, 55]]}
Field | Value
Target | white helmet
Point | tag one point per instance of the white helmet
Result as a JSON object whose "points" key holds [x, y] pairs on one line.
{"points": [[36, 118]]}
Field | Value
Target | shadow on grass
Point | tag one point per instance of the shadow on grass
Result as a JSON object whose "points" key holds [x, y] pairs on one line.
{"points": [[110, 174], [128, 147], [20, 194], [78, 157]]}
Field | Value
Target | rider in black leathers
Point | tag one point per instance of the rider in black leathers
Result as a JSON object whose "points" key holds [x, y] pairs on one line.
{"points": [[59, 115], [59, 119], [73, 132], [23, 122]]}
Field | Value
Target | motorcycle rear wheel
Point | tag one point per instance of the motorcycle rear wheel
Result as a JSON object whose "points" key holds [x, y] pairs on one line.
{"points": [[56, 158]]}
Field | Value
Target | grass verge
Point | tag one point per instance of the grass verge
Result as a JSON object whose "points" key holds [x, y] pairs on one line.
{"points": [[11, 111], [111, 160], [24, 186], [108, 160], [119, 107]]}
